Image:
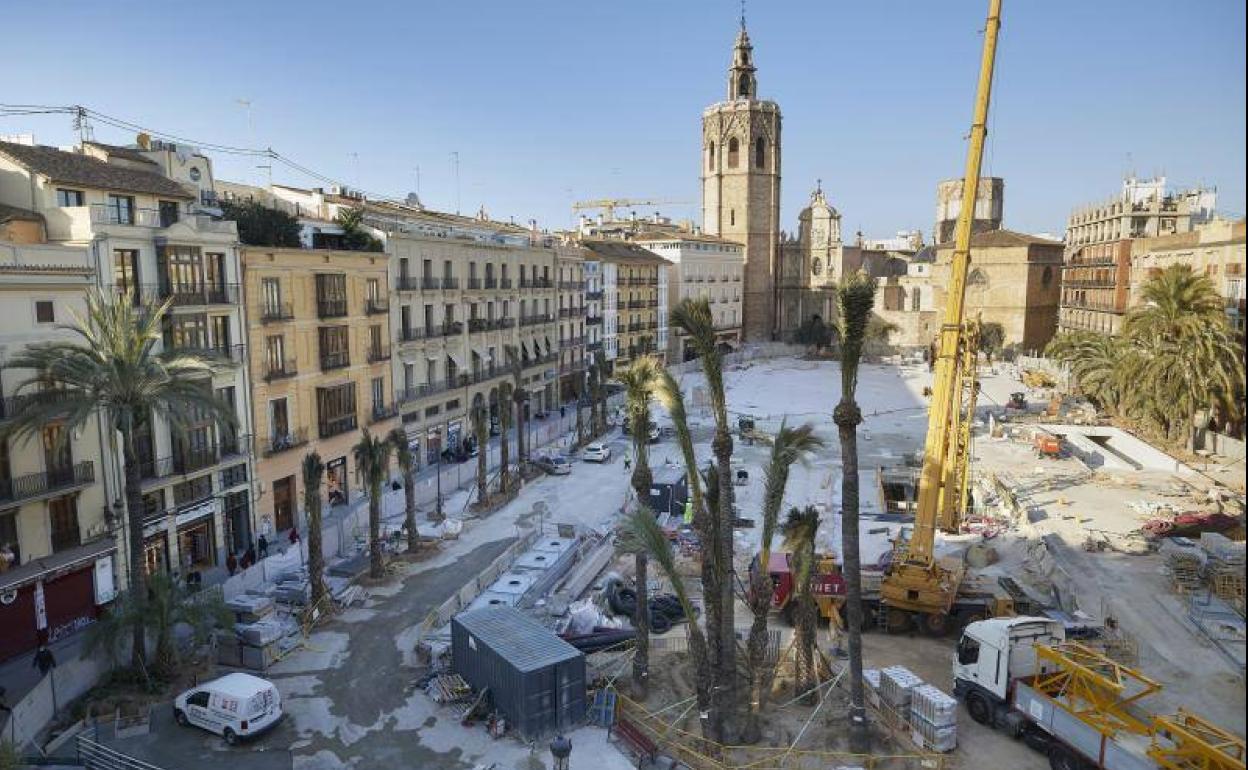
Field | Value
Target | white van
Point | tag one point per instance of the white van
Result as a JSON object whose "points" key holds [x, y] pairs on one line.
{"points": [[236, 706]]}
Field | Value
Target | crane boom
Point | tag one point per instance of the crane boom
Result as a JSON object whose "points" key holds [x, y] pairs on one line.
{"points": [[916, 582]]}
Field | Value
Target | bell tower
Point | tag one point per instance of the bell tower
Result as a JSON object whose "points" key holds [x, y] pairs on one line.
{"points": [[741, 184]]}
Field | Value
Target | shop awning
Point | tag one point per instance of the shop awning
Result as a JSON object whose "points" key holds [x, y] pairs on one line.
{"points": [[55, 564]]}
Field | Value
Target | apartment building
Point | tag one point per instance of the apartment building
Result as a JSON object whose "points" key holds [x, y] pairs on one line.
{"points": [[572, 315], [593, 268], [631, 278], [58, 553], [1096, 276], [1215, 249], [320, 349], [703, 266], [466, 290], [146, 216]]}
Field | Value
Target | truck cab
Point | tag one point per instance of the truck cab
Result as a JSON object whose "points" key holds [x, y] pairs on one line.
{"points": [[994, 653]]}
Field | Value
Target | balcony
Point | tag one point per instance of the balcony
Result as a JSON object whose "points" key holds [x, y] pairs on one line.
{"points": [[572, 342], [431, 388], [181, 463], [491, 283], [335, 360], [376, 305], [103, 214], [411, 334], [31, 486], [593, 347], [474, 284], [484, 373], [504, 283], [378, 353], [571, 285], [382, 412], [280, 370], [192, 296], [228, 354], [331, 307], [549, 358], [506, 323], [429, 283], [534, 320], [597, 320], [476, 325], [635, 304], [337, 425], [284, 442], [277, 313], [593, 295], [406, 283], [11, 405], [450, 283], [447, 329]]}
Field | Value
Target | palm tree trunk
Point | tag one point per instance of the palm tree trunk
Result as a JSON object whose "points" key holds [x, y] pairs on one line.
{"points": [[376, 565], [580, 423], [761, 592], [409, 508], [520, 448], [726, 668], [138, 559], [641, 619], [847, 417], [316, 554]]}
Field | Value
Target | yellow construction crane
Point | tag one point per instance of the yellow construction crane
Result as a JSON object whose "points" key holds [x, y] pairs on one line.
{"points": [[609, 205], [916, 582]]}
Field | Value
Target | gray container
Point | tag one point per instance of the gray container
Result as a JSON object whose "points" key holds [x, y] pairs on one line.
{"points": [[536, 680]]}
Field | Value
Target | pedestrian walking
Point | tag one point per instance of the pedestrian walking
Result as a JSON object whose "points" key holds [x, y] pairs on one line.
{"points": [[263, 544], [249, 557], [628, 463], [231, 564], [45, 661], [294, 537]]}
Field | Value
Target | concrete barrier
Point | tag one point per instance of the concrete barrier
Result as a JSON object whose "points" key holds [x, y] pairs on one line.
{"points": [[69, 680]]}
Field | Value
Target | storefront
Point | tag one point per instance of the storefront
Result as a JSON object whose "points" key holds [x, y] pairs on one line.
{"points": [[433, 446], [156, 552], [197, 544], [337, 490], [55, 597]]}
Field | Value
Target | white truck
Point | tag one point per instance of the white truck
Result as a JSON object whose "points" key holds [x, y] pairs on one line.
{"points": [[1081, 708]]}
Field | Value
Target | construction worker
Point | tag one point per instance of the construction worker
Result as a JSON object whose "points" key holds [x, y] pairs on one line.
{"points": [[689, 512]]}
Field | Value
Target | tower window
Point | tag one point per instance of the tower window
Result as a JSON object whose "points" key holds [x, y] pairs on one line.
{"points": [[760, 153], [710, 158], [734, 152], [743, 86], [732, 214]]}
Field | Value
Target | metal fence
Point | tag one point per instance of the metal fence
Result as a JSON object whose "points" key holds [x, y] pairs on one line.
{"points": [[97, 756]]}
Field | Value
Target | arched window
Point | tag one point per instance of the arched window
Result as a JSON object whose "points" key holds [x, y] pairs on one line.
{"points": [[734, 152], [710, 158], [1047, 278], [760, 153], [916, 301], [743, 86]]}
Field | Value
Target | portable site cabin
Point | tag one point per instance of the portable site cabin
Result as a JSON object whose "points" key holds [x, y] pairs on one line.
{"points": [[669, 491], [535, 679]]}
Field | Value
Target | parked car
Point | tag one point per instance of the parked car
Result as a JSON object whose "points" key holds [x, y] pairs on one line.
{"points": [[596, 452], [655, 431], [555, 465], [236, 706]]}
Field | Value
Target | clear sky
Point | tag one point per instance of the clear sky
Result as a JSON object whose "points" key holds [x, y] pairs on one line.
{"points": [[548, 102]]}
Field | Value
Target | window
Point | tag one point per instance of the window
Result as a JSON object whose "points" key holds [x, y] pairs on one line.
{"points": [[379, 394], [168, 213], [58, 458], [10, 553], [968, 651], [45, 313], [279, 420], [184, 269], [63, 516], [66, 197], [760, 153], [1047, 279], [194, 491], [335, 347], [336, 409], [198, 699], [126, 273], [187, 331], [154, 504], [743, 86], [120, 209], [372, 289], [734, 152], [710, 157], [732, 216]]}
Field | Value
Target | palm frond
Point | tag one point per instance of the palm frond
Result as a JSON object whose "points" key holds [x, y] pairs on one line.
{"points": [[856, 297]]}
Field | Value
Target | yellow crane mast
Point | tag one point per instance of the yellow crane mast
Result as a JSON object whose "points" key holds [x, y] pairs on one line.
{"points": [[917, 582], [609, 205]]}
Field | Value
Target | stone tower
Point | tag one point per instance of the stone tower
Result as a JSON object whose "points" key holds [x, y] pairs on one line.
{"points": [[741, 184], [819, 232]]}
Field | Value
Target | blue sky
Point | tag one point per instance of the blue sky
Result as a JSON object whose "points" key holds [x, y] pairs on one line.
{"points": [[547, 102]]}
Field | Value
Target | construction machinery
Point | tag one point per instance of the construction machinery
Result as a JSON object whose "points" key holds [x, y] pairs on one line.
{"points": [[609, 205], [1080, 707], [827, 585], [917, 585]]}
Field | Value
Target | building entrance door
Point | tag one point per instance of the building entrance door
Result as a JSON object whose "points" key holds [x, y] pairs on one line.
{"points": [[284, 503]]}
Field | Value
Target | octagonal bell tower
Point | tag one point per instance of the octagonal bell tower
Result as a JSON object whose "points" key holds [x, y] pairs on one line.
{"points": [[741, 184]]}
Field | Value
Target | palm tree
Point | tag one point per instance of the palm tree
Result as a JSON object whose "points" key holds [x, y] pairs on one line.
{"points": [[1190, 359], [313, 472], [504, 443], [668, 393], [111, 365], [165, 604], [479, 418], [518, 397], [694, 318], [602, 373], [791, 445], [800, 529], [1094, 362], [642, 532], [857, 298], [372, 462], [406, 459], [638, 380]]}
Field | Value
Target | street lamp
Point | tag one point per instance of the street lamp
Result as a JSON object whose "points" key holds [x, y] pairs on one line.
{"points": [[438, 474]]}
